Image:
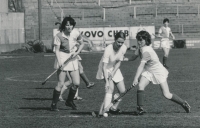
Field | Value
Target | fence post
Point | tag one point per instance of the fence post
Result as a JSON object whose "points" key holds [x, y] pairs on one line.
{"points": [[156, 11], [198, 10], [104, 14], [135, 13], [83, 14], [182, 29], [129, 1], [177, 13], [99, 3], [40, 19]]}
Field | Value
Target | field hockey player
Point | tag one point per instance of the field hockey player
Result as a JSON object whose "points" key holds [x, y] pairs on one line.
{"points": [[64, 43], [151, 70], [109, 71]]}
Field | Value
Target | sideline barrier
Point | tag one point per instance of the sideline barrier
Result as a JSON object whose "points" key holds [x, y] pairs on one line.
{"points": [[103, 36]]}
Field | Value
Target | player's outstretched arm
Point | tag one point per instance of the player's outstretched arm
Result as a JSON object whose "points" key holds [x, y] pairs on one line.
{"points": [[172, 35], [85, 39], [132, 58]]}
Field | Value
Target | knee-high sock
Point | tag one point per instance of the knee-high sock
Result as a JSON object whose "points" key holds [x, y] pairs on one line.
{"points": [[165, 60], [101, 109], [56, 95], [84, 78], [71, 94], [177, 99], [76, 93], [115, 106], [140, 97], [107, 99]]}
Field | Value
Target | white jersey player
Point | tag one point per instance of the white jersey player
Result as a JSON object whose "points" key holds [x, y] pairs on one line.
{"points": [[110, 72]]}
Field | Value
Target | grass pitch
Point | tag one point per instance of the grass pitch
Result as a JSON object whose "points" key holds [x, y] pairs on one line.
{"points": [[24, 102]]}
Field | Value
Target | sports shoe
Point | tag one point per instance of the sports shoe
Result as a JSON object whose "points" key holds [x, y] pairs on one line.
{"points": [[54, 107], [114, 111], [91, 84], [78, 98], [187, 107], [71, 104], [61, 99], [140, 111]]}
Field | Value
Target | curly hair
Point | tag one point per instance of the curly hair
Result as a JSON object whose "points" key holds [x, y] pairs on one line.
{"points": [[145, 36], [64, 22], [120, 35]]}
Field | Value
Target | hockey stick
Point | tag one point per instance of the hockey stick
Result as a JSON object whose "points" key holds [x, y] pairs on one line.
{"points": [[60, 68], [114, 101]]}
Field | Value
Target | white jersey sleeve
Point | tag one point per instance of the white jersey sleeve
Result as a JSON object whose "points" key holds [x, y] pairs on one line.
{"points": [[106, 55], [56, 41]]}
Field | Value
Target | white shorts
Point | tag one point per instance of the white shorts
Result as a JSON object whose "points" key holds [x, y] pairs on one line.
{"points": [[116, 78], [160, 79], [72, 65], [165, 43]]}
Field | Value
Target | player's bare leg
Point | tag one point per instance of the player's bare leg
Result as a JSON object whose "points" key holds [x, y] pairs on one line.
{"points": [[77, 97], [173, 97], [108, 97], [165, 57], [84, 77], [65, 86], [56, 93], [121, 89], [72, 92]]}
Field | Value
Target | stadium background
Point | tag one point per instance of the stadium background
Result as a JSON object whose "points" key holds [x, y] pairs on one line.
{"points": [[28, 20]]}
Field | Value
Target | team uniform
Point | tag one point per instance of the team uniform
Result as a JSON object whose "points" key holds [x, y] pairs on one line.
{"points": [[165, 32], [154, 71], [111, 58], [67, 48]]}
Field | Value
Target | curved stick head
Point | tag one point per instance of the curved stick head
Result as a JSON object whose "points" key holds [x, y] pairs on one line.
{"points": [[43, 82]]}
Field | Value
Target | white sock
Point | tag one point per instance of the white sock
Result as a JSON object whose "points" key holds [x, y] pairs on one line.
{"points": [[76, 93], [115, 106], [107, 99], [101, 109]]}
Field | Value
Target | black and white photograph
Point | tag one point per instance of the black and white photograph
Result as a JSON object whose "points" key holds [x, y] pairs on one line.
{"points": [[100, 64]]}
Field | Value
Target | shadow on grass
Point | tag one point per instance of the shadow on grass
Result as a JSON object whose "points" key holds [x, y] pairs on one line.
{"points": [[43, 88], [96, 112], [41, 108], [37, 99]]}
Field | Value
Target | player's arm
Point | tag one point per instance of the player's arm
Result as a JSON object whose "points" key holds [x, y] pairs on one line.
{"points": [[172, 35], [80, 41], [132, 58], [138, 73], [89, 42], [146, 57], [57, 49], [105, 60], [85, 39], [105, 73], [116, 67], [159, 33]]}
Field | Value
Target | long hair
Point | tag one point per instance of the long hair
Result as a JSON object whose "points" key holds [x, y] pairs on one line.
{"points": [[143, 35], [64, 22]]}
